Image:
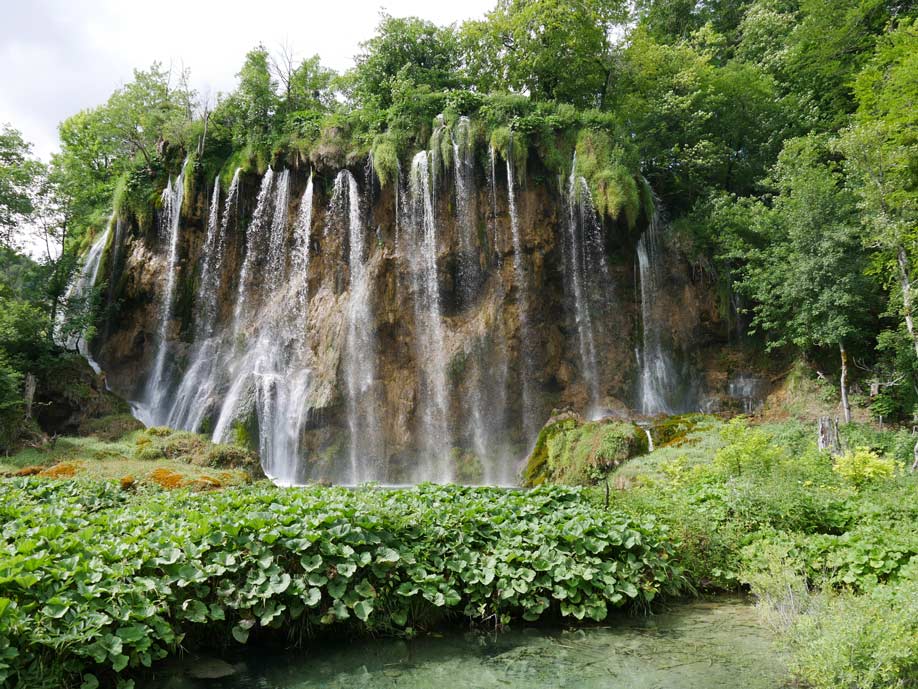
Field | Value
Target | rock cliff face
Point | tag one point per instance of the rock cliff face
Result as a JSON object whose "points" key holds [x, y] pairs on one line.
{"points": [[422, 330]]}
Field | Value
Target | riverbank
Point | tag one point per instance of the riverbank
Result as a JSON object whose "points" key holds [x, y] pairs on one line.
{"points": [[103, 580]]}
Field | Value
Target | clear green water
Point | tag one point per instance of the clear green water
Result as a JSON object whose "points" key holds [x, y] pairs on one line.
{"points": [[705, 645]]}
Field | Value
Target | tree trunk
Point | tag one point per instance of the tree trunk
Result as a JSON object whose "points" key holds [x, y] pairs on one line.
{"points": [[915, 454], [905, 281], [827, 435], [846, 406], [30, 385]]}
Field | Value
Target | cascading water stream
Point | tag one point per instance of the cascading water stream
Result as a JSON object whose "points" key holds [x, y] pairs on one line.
{"points": [[269, 374], [464, 179], [299, 259], [360, 341], [522, 301], [657, 380], [255, 240], [158, 386], [435, 436], [575, 276], [197, 385], [80, 290]]}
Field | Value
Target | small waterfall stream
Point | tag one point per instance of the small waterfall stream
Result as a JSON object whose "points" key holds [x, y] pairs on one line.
{"points": [[359, 356], [81, 290], [587, 278], [434, 427], [198, 386], [658, 378], [158, 384], [528, 413]]}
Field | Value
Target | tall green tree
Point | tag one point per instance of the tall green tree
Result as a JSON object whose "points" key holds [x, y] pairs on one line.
{"points": [[18, 174], [807, 272], [407, 50], [881, 148], [552, 49]]}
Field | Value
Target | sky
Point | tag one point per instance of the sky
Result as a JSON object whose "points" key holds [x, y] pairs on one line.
{"points": [[61, 56]]}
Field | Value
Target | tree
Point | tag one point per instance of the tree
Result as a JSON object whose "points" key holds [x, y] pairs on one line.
{"points": [[807, 274], [671, 21], [408, 49], [825, 51], [552, 49], [18, 172], [149, 110], [698, 126], [881, 148]]}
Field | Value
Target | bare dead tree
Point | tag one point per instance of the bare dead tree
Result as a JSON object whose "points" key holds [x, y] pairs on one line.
{"points": [[283, 65]]}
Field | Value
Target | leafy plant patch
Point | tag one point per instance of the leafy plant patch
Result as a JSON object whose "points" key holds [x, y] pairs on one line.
{"points": [[96, 583]]}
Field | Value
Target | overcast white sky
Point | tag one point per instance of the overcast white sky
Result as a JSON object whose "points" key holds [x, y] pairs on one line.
{"points": [[60, 56]]}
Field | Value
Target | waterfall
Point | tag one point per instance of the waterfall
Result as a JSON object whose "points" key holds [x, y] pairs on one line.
{"points": [[492, 182], [275, 268], [748, 390], [299, 261], [80, 290], [255, 238], [268, 371], [587, 280], [434, 431], [657, 378], [464, 178], [209, 283], [191, 400], [158, 385], [359, 355], [522, 301]]}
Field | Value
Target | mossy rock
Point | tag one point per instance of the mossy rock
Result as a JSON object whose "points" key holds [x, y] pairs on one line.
{"points": [[231, 457], [183, 445], [110, 428], [573, 451], [672, 431], [149, 453]]}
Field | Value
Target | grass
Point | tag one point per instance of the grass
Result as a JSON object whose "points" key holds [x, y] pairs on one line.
{"points": [[143, 456]]}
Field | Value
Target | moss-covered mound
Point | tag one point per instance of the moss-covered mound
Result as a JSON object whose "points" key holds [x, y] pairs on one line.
{"points": [[573, 451]]}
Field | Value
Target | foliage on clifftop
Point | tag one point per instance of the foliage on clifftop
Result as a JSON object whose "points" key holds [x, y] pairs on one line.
{"points": [[92, 588]]}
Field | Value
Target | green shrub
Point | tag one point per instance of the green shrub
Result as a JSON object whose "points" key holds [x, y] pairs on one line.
{"points": [[748, 450], [862, 466], [183, 445], [149, 453], [385, 160], [868, 641], [93, 586], [229, 457]]}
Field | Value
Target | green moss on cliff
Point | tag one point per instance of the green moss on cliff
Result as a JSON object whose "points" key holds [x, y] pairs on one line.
{"points": [[385, 159]]}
